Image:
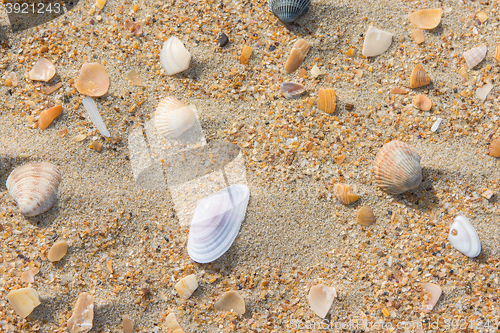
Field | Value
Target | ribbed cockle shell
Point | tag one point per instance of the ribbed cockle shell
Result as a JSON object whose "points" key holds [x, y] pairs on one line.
{"points": [[174, 57], [474, 56], [419, 77], [288, 10], [345, 194], [397, 168], [34, 187], [172, 117]]}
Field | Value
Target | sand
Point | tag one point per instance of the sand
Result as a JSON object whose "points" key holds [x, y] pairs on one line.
{"points": [[295, 234]]}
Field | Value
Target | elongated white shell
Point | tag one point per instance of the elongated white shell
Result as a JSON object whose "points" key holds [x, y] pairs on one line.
{"points": [[216, 222], [474, 56], [464, 237], [172, 117], [321, 299], [376, 42], [174, 57], [89, 104], [34, 187]]}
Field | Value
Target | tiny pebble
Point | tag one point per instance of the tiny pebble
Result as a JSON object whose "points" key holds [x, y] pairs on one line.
{"points": [[223, 40]]}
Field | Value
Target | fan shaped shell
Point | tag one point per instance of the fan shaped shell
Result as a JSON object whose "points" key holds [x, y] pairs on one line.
{"points": [[174, 57], [34, 187], [474, 56], [397, 168], [216, 222], [288, 10], [464, 237], [172, 117]]}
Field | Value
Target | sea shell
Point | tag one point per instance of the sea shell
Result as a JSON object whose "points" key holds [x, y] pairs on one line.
{"points": [[83, 314], [426, 18], [315, 71], [127, 324], [292, 89], [397, 168], [173, 324], [100, 3], [419, 77], [345, 194], [11, 79], [95, 116], [297, 55], [321, 299], [23, 301], [418, 35], [422, 102], [93, 80], [327, 100], [482, 17], [174, 57], [376, 42], [57, 251], [34, 187], [186, 287], [43, 70], [245, 55], [474, 56], [464, 237], [216, 222], [497, 53], [288, 10], [462, 71], [494, 149], [483, 92], [29, 275], [231, 300], [433, 292], [47, 116], [365, 216], [172, 117]]}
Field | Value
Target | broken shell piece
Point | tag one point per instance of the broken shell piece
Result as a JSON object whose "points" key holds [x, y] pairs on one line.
{"points": [[43, 70], [172, 117], [474, 56], [365, 216], [345, 194], [482, 92], [174, 57], [134, 78], [291, 89], [419, 77], [494, 149], [376, 42], [57, 251], [482, 17], [23, 301], [47, 116], [422, 102], [12, 78], [299, 52], [133, 27], [100, 3], [418, 35], [83, 314], [186, 287], [231, 300], [321, 299], [173, 324], [400, 275], [426, 18], [497, 53], [93, 80], [29, 275], [462, 71], [464, 237], [50, 89], [127, 324], [399, 91], [89, 105], [245, 55], [436, 124], [315, 71], [433, 292], [327, 100]]}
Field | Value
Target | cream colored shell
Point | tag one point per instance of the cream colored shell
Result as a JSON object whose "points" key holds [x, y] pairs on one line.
{"points": [[186, 287], [172, 117], [174, 57]]}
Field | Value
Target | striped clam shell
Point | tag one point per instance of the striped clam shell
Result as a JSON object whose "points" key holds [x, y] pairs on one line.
{"points": [[34, 187], [397, 168], [216, 222], [288, 10]]}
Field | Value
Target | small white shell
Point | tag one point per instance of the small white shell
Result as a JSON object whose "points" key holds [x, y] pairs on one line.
{"points": [[89, 104], [172, 117], [475, 56], [464, 237], [376, 42], [174, 57], [484, 91], [321, 299]]}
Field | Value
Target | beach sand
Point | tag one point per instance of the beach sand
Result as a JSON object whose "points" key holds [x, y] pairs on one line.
{"points": [[295, 234]]}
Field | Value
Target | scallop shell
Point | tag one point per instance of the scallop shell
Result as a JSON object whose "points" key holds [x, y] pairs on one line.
{"points": [[288, 10], [426, 18], [345, 194], [397, 168], [216, 222], [173, 324], [93, 80], [297, 55], [321, 299], [419, 77], [34, 187], [474, 56], [497, 53], [292, 89], [422, 102], [464, 237], [43, 70], [186, 287], [174, 57], [376, 42], [433, 293], [231, 300], [172, 117], [327, 100], [365, 216], [494, 149]]}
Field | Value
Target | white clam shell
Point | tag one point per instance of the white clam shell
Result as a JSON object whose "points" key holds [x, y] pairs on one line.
{"points": [[321, 299], [216, 222], [474, 56], [376, 42], [174, 57], [464, 237], [172, 117], [34, 187]]}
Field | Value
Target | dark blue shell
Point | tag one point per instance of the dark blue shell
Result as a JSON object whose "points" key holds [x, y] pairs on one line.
{"points": [[288, 10]]}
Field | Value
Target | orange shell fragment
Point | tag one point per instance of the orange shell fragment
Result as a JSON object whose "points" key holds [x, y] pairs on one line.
{"points": [[93, 80], [47, 116]]}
